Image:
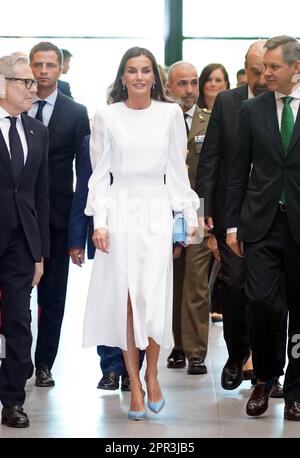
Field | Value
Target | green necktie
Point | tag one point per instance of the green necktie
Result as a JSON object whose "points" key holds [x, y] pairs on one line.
{"points": [[287, 123], [286, 131]]}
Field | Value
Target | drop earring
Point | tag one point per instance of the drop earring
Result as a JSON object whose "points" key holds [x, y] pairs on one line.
{"points": [[153, 85], [123, 85]]}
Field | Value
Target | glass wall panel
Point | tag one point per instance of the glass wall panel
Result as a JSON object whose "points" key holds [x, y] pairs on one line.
{"points": [[94, 63], [77, 27], [230, 53], [89, 18], [235, 19]]}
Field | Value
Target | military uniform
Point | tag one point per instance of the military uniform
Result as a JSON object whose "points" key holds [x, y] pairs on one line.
{"points": [[191, 297]]}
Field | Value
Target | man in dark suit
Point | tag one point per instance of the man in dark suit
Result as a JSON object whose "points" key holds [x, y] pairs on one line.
{"points": [[264, 206], [81, 230], [64, 86], [24, 228], [211, 184], [68, 124], [81, 227]]}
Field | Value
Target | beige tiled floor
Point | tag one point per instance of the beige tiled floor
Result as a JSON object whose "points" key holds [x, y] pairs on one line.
{"points": [[196, 406]]}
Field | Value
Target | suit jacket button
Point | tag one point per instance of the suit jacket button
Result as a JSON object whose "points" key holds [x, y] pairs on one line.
{"points": [[16, 189]]}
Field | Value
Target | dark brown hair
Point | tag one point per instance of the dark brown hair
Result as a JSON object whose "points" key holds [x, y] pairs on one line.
{"points": [[204, 77], [120, 93], [47, 46]]}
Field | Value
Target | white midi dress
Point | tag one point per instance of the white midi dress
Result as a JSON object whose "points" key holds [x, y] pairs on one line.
{"points": [[145, 151]]}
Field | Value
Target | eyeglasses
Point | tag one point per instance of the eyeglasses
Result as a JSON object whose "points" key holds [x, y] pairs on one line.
{"points": [[27, 82]]}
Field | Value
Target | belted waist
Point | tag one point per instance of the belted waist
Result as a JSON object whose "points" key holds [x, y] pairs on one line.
{"points": [[137, 181]]}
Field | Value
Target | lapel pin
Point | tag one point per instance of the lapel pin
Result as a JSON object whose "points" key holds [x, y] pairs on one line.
{"points": [[199, 138], [31, 131]]}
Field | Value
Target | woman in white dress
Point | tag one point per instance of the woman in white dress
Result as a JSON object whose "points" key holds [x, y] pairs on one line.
{"points": [[141, 140]]}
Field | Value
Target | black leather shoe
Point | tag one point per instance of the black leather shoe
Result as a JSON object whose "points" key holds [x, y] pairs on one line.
{"points": [[249, 375], [258, 402], [277, 391], [196, 366], [292, 410], [15, 417], [43, 377], [232, 375], [109, 381], [125, 383], [176, 359]]}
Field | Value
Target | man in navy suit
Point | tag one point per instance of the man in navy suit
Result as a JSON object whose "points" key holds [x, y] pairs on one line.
{"points": [[68, 124], [264, 212], [24, 228], [80, 232], [64, 86]]}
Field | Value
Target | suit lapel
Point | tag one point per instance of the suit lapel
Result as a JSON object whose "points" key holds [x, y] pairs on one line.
{"points": [[31, 145], [4, 155], [56, 111], [296, 132], [240, 95], [272, 121], [30, 139], [270, 115]]}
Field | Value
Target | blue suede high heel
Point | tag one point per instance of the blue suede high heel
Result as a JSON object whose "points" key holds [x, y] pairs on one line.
{"points": [[156, 407], [136, 414]]}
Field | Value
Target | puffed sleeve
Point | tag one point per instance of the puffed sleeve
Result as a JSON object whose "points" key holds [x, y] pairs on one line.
{"points": [[181, 195], [99, 183]]}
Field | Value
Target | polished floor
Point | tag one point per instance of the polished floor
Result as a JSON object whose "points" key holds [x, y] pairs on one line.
{"points": [[196, 405]]}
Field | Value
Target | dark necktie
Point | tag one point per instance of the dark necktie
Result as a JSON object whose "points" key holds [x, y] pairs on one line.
{"points": [[39, 113], [16, 149], [186, 124], [286, 131], [287, 123]]}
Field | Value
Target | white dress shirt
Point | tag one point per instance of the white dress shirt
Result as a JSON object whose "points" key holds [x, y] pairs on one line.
{"points": [[294, 103], [190, 115], [5, 126], [48, 108]]}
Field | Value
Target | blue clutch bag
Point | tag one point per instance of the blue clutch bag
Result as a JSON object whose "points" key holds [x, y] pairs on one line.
{"points": [[180, 228]]}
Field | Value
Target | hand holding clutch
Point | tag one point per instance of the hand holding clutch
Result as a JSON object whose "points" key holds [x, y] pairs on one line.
{"points": [[180, 229]]}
